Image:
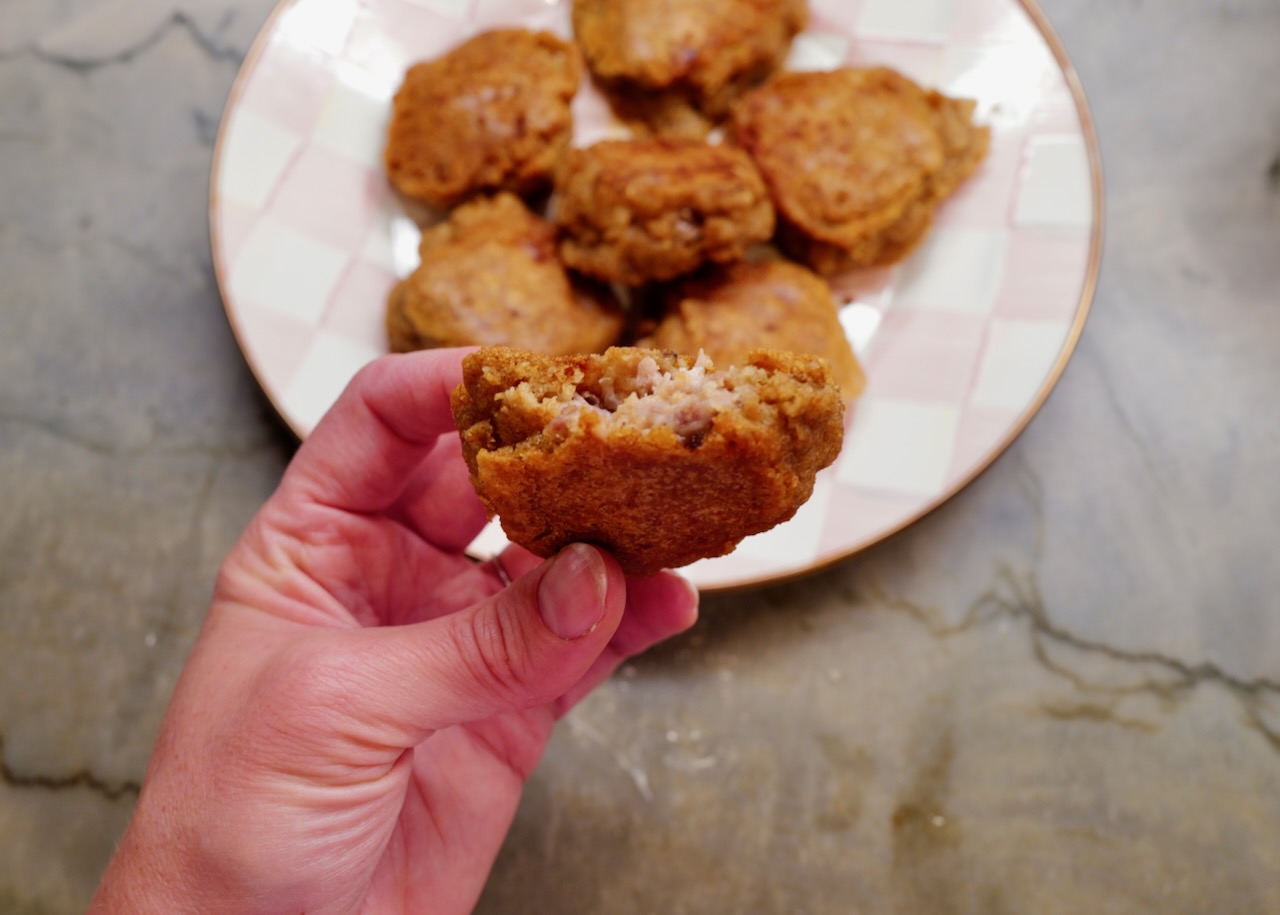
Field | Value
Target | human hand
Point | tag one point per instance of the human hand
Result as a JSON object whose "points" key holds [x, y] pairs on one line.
{"points": [[364, 703]]}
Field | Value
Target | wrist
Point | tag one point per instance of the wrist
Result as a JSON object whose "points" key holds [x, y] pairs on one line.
{"points": [[142, 879]]}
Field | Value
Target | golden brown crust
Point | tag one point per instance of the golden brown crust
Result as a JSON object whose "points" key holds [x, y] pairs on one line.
{"points": [[964, 143], [490, 275], [857, 160], [844, 152], [632, 211], [654, 497], [677, 66], [887, 246], [727, 312], [491, 114]]}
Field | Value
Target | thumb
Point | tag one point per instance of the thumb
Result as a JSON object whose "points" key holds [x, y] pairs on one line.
{"points": [[523, 647]]}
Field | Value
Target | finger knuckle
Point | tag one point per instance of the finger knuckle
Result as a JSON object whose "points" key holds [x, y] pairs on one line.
{"points": [[498, 656]]}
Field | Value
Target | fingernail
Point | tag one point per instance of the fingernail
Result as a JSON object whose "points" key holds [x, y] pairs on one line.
{"points": [[571, 593]]}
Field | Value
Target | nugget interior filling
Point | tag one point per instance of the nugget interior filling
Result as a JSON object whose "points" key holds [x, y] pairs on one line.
{"points": [[684, 400]]}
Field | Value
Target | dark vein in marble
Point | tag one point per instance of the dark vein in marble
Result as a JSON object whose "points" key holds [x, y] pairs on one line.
{"points": [[1013, 598], [1024, 601], [1096, 712], [206, 126], [179, 21], [111, 791]]}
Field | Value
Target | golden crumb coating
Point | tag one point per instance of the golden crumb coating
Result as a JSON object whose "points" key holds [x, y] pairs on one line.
{"points": [[729, 311], [856, 161], [490, 275], [877, 249], [632, 211], [492, 114], [964, 143], [656, 457], [677, 66]]}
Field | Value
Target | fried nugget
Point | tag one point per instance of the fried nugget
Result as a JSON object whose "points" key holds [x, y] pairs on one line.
{"points": [[857, 160], [632, 211], [490, 275], [726, 312], [677, 66], [656, 457], [491, 114]]}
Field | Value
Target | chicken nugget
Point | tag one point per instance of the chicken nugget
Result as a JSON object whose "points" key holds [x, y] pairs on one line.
{"points": [[632, 211], [887, 246], [677, 66], [490, 275], [656, 457], [726, 312], [856, 161], [492, 114]]}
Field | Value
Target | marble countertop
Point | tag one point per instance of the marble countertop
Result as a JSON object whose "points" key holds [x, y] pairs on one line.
{"points": [[1058, 693]]}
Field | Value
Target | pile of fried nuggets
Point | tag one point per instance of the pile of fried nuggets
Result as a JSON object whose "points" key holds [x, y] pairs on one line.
{"points": [[653, 378]]}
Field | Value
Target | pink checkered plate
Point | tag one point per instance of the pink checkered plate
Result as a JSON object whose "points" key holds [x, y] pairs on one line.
{"points": [[961, 343]]}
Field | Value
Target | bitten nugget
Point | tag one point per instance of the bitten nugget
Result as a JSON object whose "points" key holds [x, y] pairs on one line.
{"points": [[729, 311], [490, 275], [856, 161], [632, 211], [659, 459], [491, 114], [677, 66]]}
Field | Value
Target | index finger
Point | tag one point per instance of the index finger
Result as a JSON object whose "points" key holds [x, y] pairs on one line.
{"points": [[363, 452]]}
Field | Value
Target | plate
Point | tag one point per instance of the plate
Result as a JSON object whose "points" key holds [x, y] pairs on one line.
{"points": [[961, 343]]}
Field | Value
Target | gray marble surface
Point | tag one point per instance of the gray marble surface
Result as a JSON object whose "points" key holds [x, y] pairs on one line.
{"points": [[1058, 693]]}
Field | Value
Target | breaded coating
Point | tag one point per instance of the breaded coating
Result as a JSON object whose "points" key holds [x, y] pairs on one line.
{"points": [[659, 459], [887, 246], [490, 275], [677, 66], [492, 114], [632, 211], [856, 161], [729, 311], [964, 143]]}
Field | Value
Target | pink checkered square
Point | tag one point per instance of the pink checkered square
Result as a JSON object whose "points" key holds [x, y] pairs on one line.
{"points": [[275, 345], [991, 22], [288, 89], [356, 311], [924, 355], [331, 197], [862, 516], [1045, 275], [982, 430], [235, 223]]}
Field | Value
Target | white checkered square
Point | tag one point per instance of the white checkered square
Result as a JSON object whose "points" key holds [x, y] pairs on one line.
{"points": [[330, 363], [1016, 362], [454, 9], [318, 25], [354, 120], [1056, 189], [899, 446], [285, 271], [817, 51], [914, 20], [262, 150], [956, 269]]}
